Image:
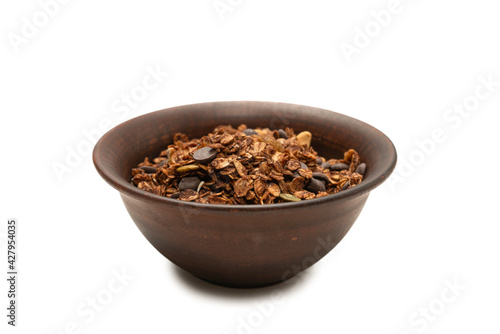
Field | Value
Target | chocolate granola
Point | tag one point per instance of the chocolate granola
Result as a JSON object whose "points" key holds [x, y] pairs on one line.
{"points": [[246, 166]]}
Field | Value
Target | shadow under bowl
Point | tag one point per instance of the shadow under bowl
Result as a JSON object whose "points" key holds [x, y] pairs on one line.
{"points": [[243, 245]]}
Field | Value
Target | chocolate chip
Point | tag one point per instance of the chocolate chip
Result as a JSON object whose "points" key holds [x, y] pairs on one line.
{"points": [[204, 155], [163, 162], [191, 182], [361, 169], [319, 161], [303, 166], [295, 174], [321, 177], [326, 165], [250, 132], [345, 186], [282, 133], [338, 167], [176, 195], [315, 186], [148, 169]]}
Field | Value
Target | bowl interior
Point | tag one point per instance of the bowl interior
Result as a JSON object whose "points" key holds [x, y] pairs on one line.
{"points": [[126, 145]]}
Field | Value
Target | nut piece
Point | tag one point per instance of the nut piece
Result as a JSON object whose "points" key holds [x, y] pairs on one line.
{"points": [[187, 168], [304, 138], [289, 197]]}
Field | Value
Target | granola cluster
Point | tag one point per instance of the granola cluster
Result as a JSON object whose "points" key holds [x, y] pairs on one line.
{"points": [[246, 166]]}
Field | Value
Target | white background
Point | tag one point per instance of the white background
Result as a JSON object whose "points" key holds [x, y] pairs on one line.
{"points": [[437, 223]]}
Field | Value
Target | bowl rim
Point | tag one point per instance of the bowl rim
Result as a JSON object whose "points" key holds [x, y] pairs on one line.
{"points": [[124, 186]]}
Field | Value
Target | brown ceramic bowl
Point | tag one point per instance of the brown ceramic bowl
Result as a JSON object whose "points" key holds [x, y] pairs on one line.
{"points": [[243, 245]]}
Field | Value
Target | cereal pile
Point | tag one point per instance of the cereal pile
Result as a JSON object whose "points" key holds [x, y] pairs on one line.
{"points": [[246, 166]]}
